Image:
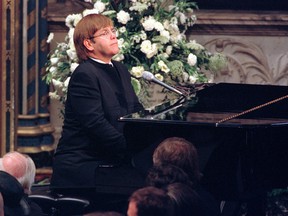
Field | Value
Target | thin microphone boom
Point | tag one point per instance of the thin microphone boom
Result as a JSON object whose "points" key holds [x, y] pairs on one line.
{"points": [[150, 77]]}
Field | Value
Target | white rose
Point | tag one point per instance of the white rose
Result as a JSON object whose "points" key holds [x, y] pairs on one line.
{"points": [[120, 42], [174, 21], [73, 66], [50, 37], [52, 69], [137, 71], [181, 16], [169, 50], [163, 56], [177, 37], [165, 34], [173, 28], [122, 29], [159, 77], [149, 24], [66, 82], [136, 38], [100, 6], [123, 17], [166, 24], [192, 79], [125, 45], [54, 60], [70, 20], [192, 59], [143, 35], [71, 45], [57, 84], [90, 11], [72, 54], [70, 33], [153, 51], [185, 76], [158, 26], [77, 18], [137, 6], [54, 95], [145, 46], [163, 67]]}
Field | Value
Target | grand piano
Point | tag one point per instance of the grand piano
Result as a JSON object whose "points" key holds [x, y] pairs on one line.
{"points": [[240, 131]]}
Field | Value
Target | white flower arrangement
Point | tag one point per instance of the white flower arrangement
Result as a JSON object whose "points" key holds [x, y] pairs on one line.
{"points": [[151, 36]]}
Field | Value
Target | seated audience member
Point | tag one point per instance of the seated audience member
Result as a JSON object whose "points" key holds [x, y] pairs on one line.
{"points": [[176, 182], [150, 201], [185, 200], [22, 167], [180, 152], [162, 175], [13, 196]]}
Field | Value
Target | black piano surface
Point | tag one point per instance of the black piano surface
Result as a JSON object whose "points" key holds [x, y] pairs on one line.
{"points": [[217, 102], [240, 131]]}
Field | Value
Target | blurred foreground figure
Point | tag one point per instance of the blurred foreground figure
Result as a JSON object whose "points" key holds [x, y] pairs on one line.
{"points": [[150, 201], [181, 153], [22, 168]]}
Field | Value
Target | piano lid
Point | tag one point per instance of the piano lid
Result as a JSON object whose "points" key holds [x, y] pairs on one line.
{"points": [[223, 105]]}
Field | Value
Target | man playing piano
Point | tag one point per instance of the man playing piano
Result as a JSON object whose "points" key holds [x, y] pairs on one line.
{"points": [[99, 93]]}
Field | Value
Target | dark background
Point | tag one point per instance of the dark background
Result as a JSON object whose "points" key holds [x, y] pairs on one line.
{"points": [[243, 4]]}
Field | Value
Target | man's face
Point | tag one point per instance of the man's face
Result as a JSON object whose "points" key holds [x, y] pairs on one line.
{"points": [[132, 209], [105, 44]]}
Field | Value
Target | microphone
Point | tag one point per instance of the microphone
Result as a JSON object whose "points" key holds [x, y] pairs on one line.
{"points": [[150, 77]]}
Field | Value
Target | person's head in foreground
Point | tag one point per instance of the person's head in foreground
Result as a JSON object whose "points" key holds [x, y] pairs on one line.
{"points": [[179, 152], [21, 166], [150, 201]]}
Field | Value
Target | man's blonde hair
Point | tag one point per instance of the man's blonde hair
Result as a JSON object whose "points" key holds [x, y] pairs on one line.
{"points": [[85, 29]]}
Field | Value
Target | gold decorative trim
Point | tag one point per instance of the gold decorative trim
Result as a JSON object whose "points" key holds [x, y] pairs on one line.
{"points": [[44, 115], [38, 149], [47, 128], [40, 171], [34, 116], [35, 130], [48, 148]]}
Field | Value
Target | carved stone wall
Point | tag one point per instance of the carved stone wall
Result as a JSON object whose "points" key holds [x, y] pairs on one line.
{"points": [[260, 60], [255, 43]]}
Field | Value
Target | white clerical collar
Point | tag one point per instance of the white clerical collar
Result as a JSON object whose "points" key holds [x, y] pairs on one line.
{"points": [[100, 61]]}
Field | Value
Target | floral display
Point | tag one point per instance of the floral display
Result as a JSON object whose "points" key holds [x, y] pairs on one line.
{"points": [[151, 37]]}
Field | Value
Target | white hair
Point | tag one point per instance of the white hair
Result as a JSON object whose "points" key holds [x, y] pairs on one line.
{"points": [[21, 166]]}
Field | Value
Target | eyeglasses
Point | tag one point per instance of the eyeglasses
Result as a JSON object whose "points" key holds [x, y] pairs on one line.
{"points": [[106, 33]]}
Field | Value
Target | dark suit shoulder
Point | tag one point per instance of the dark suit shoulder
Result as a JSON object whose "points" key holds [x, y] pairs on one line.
{"points": [[88, 70]]}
